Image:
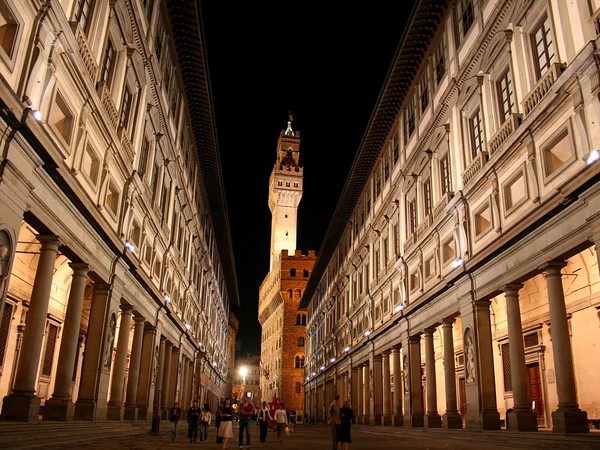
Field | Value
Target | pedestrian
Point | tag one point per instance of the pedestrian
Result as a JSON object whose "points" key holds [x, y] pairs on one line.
{"points": [[218, 421], [226, 427], [333, 418], [281, 421], [245, 414], [192, 416], [346, 417], [174, 418], [264, 417], [205, 419]]}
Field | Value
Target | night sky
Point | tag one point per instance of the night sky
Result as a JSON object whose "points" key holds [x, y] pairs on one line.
{"points": [[326, 66]]}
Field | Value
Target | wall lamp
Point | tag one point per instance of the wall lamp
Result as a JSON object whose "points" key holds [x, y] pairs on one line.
{"points": [[457, 263], [593, 156]]}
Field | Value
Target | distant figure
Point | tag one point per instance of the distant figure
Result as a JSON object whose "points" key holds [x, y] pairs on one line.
{"points": [[226, 427], [174, 417], [333, 418], [218, 421], [264, 417], [193, 416], [346, 417], [205, 419], [282, 421]]}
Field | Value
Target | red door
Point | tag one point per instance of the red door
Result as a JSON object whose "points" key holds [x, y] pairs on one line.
{"points": [[535, 389]]}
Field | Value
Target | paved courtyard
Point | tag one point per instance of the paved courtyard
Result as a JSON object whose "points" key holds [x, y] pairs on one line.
{"points": [[316, 437]]}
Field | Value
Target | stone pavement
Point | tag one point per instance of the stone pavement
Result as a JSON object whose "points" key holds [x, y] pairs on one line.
{"points": [[112, 436]]}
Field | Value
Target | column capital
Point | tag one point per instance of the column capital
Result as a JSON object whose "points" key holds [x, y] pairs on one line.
{"points": [[126, 309], [428, 331], [553, 266], [448, 322], [50, 240], [79, 268], [512, 287]]}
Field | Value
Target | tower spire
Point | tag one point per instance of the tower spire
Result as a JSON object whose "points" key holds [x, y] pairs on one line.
{"points": [[289, 131]]}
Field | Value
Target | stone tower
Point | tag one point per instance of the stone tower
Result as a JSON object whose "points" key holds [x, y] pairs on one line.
{"points": [[285, 192], [283, 325]]}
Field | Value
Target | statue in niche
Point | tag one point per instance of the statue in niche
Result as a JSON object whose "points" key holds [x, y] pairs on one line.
{"points": [[469, 358], [110, 339]]}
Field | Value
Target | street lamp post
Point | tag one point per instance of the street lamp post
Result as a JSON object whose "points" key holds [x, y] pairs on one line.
{"points": [[243, 373]]}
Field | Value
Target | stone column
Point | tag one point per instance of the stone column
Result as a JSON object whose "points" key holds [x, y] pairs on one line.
{"points": [[489, 417], [521, 418], [157, 405], [398, 391], [377, 380], [413, 376], [133, 377], [22, 404], [115, 405], [452, 418], [148, 364], [354, 391], [86, 406], [359, 394], [433, 419], [387, 388], [568, 418], [61, 406], [366, 395], [165, 401]]}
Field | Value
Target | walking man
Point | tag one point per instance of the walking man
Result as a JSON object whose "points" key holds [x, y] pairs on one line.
{"points": [[245, 415], [334, 419]]}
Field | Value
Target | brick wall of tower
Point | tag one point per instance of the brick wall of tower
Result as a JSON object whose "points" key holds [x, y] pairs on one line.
{"points": [[292, 288]]}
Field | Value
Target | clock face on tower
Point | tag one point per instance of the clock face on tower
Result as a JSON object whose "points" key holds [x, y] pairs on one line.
{"points": [[288, 162]]}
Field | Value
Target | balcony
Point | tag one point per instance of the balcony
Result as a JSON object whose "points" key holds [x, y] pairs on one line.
{"points": [[541, 89], [475, 166]]}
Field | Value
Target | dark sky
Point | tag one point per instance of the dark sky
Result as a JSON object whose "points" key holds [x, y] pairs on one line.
{"points": [[324, 64]]}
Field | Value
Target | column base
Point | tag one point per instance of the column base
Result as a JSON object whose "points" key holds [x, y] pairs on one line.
{"points": [[433, 420], [130, 412], [142, 413], [525, 420], [387, 420], [416, 420], [452, 421], [21, 408], [377, 420], [59, 409], [398, 420], [567, 420], [490, 420], [85, 410], [114, 412]]}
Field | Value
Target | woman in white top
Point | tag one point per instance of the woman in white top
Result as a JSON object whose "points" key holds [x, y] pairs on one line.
{"points": [[282, 421], [205, 419]]}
